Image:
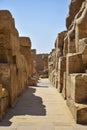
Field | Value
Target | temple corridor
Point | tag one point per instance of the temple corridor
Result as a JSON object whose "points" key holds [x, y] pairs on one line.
{"points": [[40, 107]]}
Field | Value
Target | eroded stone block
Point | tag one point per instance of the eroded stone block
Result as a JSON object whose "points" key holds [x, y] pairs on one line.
{"points": [[79, 111], [77, 87], [74, 63], [61, 70], [4, 101], [64, 94]]}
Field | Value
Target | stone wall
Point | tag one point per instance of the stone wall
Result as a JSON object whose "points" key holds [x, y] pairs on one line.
{"points": [[15, 62], [25, 48], [33, 53], [68, 61], [42, 64]]}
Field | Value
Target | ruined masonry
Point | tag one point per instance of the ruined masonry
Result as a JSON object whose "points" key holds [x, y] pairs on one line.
{"points": [[68, 61], [20, 66], [17, 62], [42, 65]]}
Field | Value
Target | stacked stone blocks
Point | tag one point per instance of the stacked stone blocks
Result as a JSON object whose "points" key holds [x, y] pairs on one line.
{"points": [[71, 51], [15, 62]]}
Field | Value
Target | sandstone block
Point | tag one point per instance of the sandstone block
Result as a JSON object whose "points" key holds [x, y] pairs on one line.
{"points": [[6, 20], [82, 44], [79, 111], [74, 63], [61, 70], [71, 40], [81, 26], [77, 87], [74, 7], [64, 86], [65, 47], [4, 101], [83, 50]]}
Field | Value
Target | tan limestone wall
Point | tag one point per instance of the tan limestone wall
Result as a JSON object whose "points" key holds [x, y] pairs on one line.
{"points": [[72, 44], [41, 63], [15, 60]]}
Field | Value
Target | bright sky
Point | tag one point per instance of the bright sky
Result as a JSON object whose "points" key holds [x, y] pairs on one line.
{"points": [[41, 20]]}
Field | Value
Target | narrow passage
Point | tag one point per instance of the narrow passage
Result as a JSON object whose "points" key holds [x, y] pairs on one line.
{"points": [[40, 106]]}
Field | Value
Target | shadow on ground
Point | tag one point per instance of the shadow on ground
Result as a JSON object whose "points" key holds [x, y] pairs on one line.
{"points": [[28, 104]]}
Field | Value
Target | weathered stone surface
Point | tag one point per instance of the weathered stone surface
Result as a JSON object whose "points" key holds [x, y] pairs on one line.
{"points": [[79, 111], [74, 63], [83, 50], [76, 87], [73, 46], [9, 48], [74, 7], [33, 57], [54, 60], [64, 94], [52, 65], [65, 47], [81, 26], [60, 40], [61, 70], [25, 48], [71, 41], [4, 101], [16, 63], [6, 20], [82, 44], [42, 65]]}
